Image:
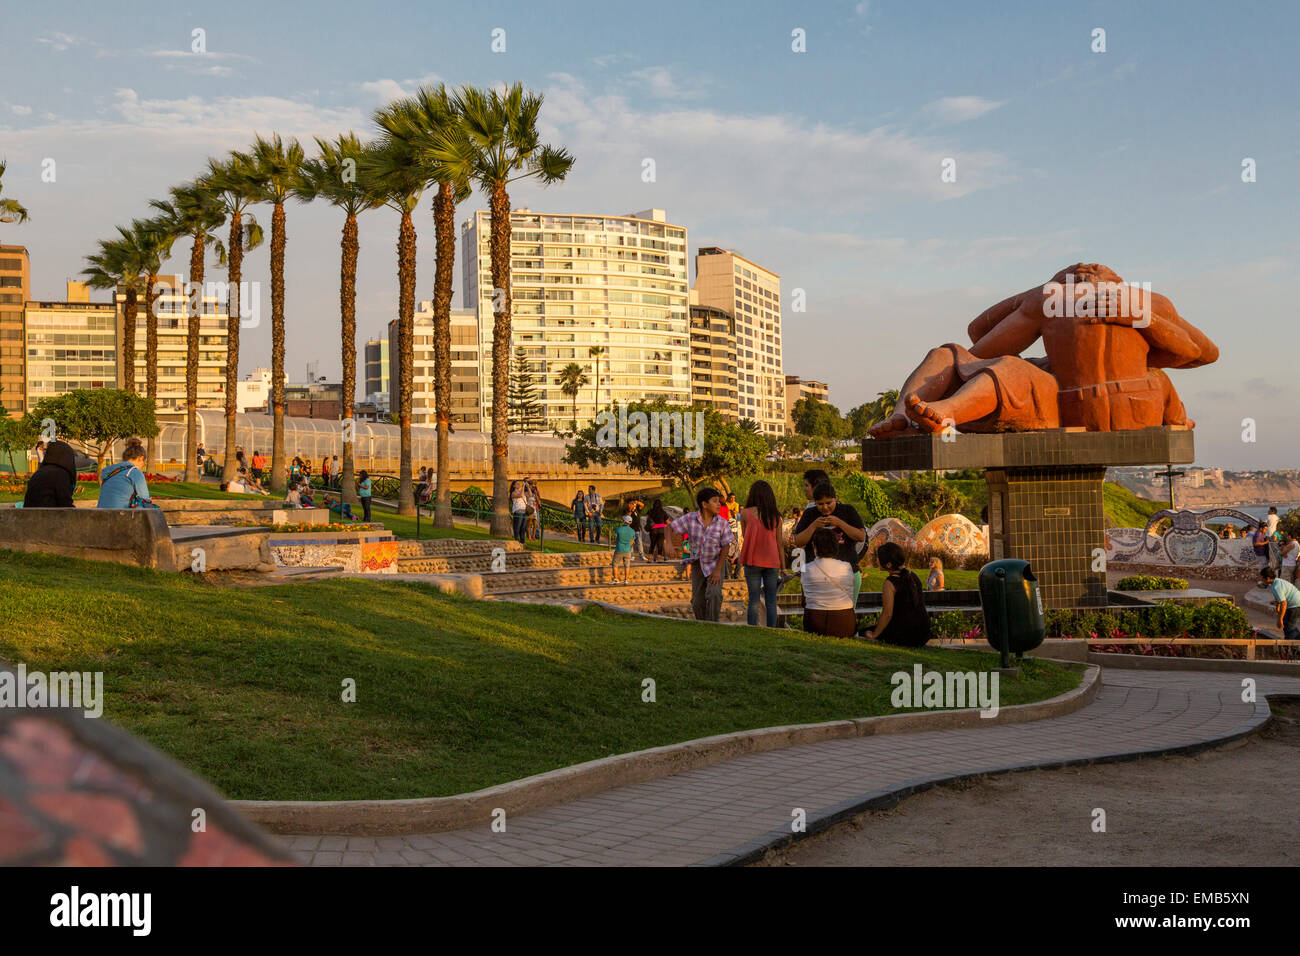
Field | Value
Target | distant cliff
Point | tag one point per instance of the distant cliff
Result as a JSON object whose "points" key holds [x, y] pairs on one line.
{"points": [[1260, 490]]}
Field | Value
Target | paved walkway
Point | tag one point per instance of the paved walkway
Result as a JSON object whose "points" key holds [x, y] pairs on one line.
{"points": [[731, 811]]}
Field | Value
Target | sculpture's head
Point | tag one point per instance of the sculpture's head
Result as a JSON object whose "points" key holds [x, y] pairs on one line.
{"points": [[1088, 272]]}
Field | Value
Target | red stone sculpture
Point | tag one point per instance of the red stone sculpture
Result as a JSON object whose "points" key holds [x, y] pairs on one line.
{"points": [[1107, 343]]}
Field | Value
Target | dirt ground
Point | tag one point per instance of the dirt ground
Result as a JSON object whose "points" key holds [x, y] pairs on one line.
{"points": [[1235, 805]]}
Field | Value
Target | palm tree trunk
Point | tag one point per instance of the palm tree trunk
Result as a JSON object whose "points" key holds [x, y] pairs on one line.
{"points": [[499, 205], [128, 338], [406, 343], [348, 313], [235, 262], [278, 478], [444, 220], [193, 322], [151, 352]]}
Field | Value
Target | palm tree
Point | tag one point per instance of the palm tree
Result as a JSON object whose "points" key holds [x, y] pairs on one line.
{"points": [[393, 168], [116, 266], [438, 118], [494, 144], [572, 378], [596, 352], [193, 211], [231, 182], [151, 244], [332, 176], [11, 210], [277, 176]]}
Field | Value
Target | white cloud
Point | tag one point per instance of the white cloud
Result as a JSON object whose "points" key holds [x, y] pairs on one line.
{"points": [[20, 110], [659, 81], [383, 90], [959, 109], [59, 42]]}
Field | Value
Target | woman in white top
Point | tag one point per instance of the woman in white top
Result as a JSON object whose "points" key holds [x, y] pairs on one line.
{"points": [[828, 590], [519, 510]]}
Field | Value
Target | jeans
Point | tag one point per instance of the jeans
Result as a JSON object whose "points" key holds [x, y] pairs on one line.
{"points": [[764, 583], [1291, 624], [706, 598], [521, 526], [593, 528], [365, 508]]}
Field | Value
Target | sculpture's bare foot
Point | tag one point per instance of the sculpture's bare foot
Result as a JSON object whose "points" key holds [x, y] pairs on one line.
{"points": [[928, 417], [896, 424]]}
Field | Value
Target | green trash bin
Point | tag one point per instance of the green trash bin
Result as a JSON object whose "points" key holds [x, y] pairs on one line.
{"points": [[1013, 608]]}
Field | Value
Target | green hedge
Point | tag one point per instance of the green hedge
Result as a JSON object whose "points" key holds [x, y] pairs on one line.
{"points": [[1148, 582], [1218, 619]]}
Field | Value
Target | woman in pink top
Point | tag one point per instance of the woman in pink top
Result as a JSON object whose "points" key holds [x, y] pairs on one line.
{"points": [[760, 554]]}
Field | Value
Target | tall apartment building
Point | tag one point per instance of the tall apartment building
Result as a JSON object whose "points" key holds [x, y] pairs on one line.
{"points": [[171, 309], [713, 359], [797, 388], [254, 392], [728, 281], [70, 345], [617, 283], [465, 409], [376, 366], [15, 289]]}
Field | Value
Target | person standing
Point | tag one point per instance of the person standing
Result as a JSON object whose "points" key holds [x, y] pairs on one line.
{"points": [[760, 551], [829, 512], [534, 509], [363, 493], [336, 470], [903, 618], [811, 479], [657, 516], [519, 509], [638, 525], [580, 515], [709, 536], [1259, 541], [1287, 598], [622, 557], [1272, 520], [594, 505], [1290, 551], [325, 473], [935, 581]]}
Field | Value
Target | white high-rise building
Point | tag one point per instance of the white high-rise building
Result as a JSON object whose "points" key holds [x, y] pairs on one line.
{"points": [[465, 412], [172, 310], [728, 281], [617, 283]]}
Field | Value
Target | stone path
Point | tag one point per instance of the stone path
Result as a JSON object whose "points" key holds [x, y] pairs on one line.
{"points": [[732, 811]]}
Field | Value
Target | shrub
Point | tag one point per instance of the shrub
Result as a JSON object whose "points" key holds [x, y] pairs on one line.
{"points": [[1148, 582], [875, 501], [1219, 619]]}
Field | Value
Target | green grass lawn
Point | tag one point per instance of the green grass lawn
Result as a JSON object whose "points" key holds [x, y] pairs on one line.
{"points": [[243, 685], [89, 491], [873, 579]]}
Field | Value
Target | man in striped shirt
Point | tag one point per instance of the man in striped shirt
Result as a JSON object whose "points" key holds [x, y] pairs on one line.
{"points": [[710, 535]]}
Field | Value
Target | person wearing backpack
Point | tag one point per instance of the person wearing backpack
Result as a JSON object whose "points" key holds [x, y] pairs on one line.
{"points": [[123, 485], [903, 618]]}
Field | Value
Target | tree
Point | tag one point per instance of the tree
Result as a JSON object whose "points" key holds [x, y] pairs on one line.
{"points": [[436, 115], [232, 183], [16, 436], [393, 170], [11, 210], [867, 414], [572, 378], [596, 352], [151, 243], [332, 176], [525, 410], [92, 419], [494, 144], [276, 173], [923, 495], [817, 419], [115, 266], [193, 212], [724, 449]]}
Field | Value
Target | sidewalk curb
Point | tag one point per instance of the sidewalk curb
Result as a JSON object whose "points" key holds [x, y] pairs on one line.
{"points": [[431, 814], [754, 850]]}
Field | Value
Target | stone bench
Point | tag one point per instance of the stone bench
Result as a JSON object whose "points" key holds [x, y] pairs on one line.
{"points": [[137, 536]]}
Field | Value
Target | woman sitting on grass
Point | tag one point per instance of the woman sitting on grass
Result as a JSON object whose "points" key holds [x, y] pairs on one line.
{"points": [[903, 618], [336, 505], [828, 589]]}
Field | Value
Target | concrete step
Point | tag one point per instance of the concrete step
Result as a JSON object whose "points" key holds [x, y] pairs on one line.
{"points": [[451, 547], [659, 594], [571, 577], [481, 562]]}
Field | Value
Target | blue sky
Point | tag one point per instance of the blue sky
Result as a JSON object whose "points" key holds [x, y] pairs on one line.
{"points": [[822, 165]]}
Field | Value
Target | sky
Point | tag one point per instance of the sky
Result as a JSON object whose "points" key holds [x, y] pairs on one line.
{"points": [[823, 164]]}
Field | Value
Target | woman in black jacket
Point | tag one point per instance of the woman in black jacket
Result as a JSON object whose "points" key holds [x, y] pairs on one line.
{"points": [[54, 482], [903, 618]]}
